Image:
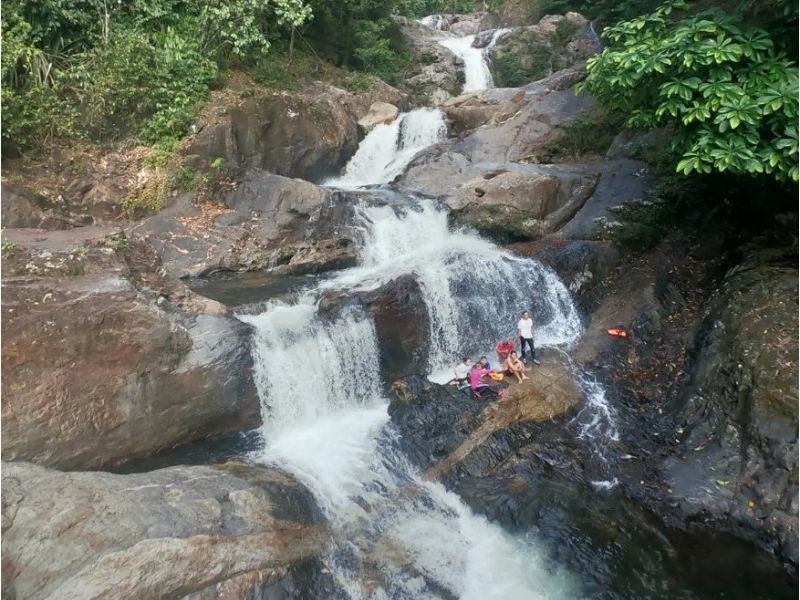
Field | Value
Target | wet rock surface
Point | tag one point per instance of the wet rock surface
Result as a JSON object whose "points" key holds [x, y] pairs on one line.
{"points": [[736, 463], [401, 323], [265, 221], [434, 74], [445, 430], [309, 133], [104, 358], [229, 531]]}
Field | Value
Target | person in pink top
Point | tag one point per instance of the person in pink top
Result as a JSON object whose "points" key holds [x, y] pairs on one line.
{"points": [[480, 388]]}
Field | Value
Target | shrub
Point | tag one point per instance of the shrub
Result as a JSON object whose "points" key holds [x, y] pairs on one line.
{"points": [[590, 134], [510, 69], [732, 99]]}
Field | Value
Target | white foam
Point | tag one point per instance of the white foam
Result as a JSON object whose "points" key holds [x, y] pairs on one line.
{"points": [[477, 75], [388, 148]]}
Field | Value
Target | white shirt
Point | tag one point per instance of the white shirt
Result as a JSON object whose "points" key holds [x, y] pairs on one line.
{"points": [[525, 327], [462, 371]]}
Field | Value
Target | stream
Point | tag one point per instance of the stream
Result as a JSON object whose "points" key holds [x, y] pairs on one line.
{"points": [[325, 419]]}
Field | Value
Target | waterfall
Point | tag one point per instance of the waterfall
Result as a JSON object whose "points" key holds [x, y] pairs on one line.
{"points": [[326, 421], [437, 22], [388, 148], [473, 291], [308, 369], [477, 75]]}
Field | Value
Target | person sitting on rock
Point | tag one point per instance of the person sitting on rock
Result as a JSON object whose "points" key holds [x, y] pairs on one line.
{"points": [[462, 372], [514, 366], [484, 363], [479, 388], [503, 350]]}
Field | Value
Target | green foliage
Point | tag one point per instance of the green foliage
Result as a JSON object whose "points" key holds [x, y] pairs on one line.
{"points": [[565, 29], [642, 225], [365, 39], [375, 53], [103, 70], [80, 251], [118, 242], [731, 97], [422, 8], [360, 82], [510, 70], [590, 134], [7, 246], [185, 179]]}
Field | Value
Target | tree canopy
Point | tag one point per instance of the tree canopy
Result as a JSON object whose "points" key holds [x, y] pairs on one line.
{"points": [[730, 96]]}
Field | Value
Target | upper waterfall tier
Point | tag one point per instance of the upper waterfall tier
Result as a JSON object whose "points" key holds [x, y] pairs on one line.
{"points": [[477, 75], [387, 149]]}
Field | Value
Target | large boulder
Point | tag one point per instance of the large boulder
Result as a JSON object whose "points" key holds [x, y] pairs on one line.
{"points": [[531, 53], [445, 431], [466, 24], [526, 134], [467, 112], [737, 462], [105, 359], [434, 73], [265, 221], [401, 323], [228, 531], [310, 133], [380, 113], [519, 205]]}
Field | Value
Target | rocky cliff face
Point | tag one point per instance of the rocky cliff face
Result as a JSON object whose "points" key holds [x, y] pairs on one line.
{"points": [[737, 461], [308, 133], [434, 74], [104, 358], [229, 531], [534, 52], [265, 220]]}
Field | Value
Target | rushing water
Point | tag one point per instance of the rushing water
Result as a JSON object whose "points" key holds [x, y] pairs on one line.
{"points": [[437, 22], [477, 75], [472, 291], [388, 148], [326, 420], [325, 417]]}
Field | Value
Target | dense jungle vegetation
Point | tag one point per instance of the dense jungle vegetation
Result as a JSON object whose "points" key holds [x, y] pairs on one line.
{"points": [[722, 76]]}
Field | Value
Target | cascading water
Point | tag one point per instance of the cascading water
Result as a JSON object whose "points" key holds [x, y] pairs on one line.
{"points": [[477, 75], [325, 419], [387, 149], [473, 292], [437, 22]]}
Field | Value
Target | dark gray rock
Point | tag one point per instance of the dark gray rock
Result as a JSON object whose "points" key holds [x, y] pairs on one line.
{"points": [[737, 462], [267, 221]]}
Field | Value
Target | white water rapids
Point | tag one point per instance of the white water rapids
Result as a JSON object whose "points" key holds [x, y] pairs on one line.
{"points": [[387, 149], [477, 75], [325, 416], [326, 420]]}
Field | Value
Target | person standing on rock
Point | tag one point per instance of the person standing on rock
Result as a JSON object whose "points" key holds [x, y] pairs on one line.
{"points": [[525, 332]]}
